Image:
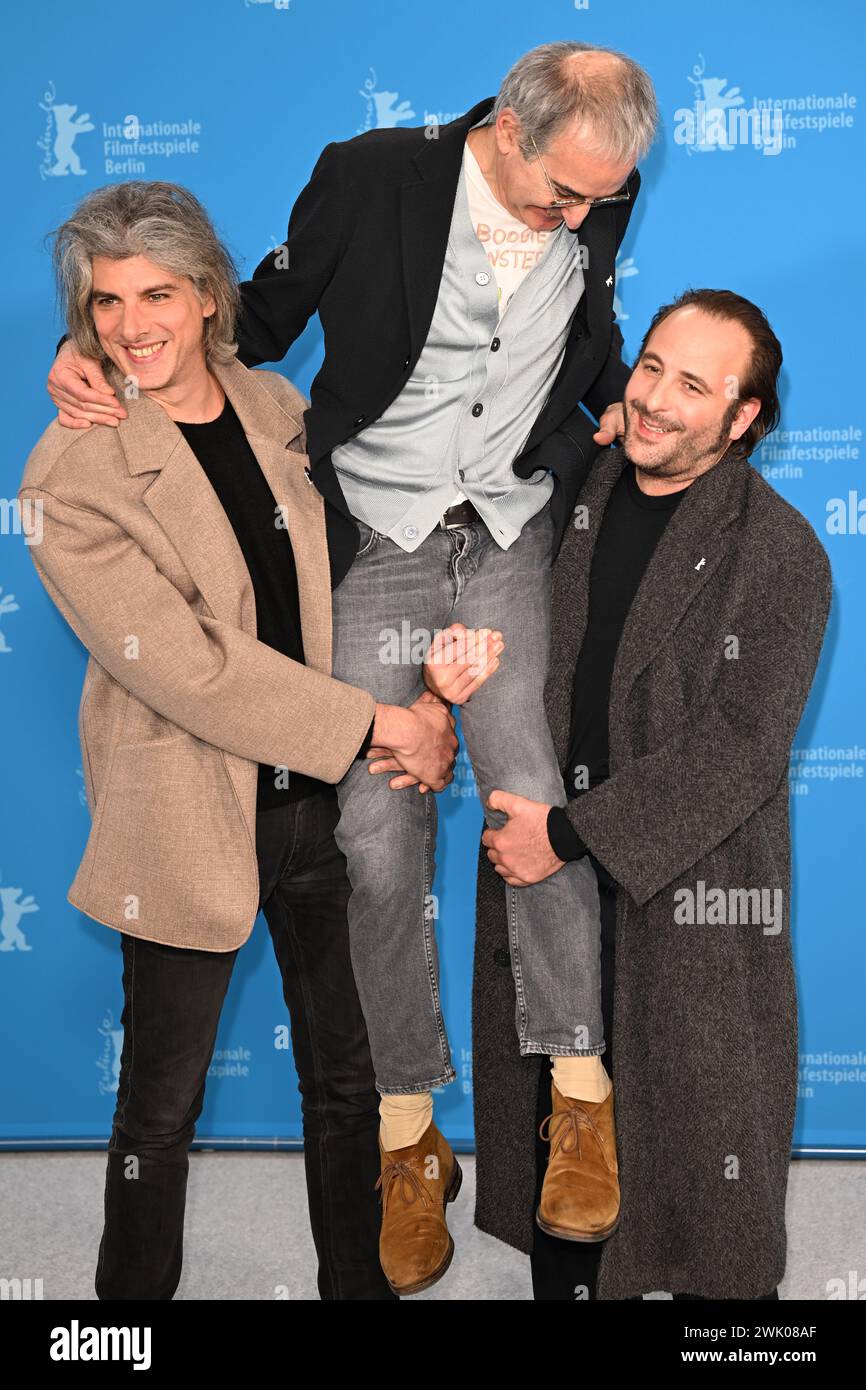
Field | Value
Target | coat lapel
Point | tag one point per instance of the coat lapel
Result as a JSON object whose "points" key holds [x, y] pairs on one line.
{"points": [[691, 548], [570, 591], [188, 510], [689, 552], [597, 234], [427, 206]]}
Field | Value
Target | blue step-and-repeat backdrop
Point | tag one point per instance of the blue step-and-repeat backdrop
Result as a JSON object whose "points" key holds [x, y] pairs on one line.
{"points": [[755, 184]]}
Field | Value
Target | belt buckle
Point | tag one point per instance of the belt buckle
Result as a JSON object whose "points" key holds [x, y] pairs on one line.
{"points": [[451, 525]]}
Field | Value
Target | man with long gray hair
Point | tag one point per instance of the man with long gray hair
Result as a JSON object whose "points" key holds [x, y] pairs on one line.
{"points": [[189, 553], [464, 276]]}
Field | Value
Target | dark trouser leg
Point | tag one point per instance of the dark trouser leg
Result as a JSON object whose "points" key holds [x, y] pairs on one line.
{"points": [[563, 1269], [568, 1269], [173, 998], [306, 909]]}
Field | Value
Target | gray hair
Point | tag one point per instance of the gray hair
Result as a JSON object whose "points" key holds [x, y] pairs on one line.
{"points": [[614, 100], [167, 224]]}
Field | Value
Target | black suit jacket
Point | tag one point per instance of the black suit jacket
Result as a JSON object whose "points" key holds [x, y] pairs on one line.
{"points": [[365, 247]]}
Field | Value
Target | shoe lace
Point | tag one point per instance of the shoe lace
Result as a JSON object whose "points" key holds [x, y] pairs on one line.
{"points": [[564, 1132], [411, 1187]]}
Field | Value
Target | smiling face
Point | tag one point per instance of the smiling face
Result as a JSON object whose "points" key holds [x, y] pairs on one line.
{"points": [[682, 406], [150, 322]]}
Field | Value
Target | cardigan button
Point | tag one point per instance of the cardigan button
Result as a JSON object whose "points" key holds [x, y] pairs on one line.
{"points": [[501, 957]]}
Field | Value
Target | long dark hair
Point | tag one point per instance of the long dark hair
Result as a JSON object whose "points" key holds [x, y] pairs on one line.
{"points": [[765, 362]]}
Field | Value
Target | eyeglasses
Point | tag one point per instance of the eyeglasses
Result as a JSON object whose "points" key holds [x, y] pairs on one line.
{"points": [[579, 201]]}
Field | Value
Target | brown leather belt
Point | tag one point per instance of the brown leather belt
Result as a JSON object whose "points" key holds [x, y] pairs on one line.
{"points": [[459, 515]]}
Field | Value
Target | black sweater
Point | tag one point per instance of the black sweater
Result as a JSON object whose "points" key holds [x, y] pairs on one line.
{"points": [[630, 529], [233, 471]]}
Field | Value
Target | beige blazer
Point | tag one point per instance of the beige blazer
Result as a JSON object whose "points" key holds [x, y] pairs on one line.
{"points": [[180, 702]]}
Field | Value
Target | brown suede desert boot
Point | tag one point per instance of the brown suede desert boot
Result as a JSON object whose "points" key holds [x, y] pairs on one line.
{"points": [[580, 1193], [415, 1245]]}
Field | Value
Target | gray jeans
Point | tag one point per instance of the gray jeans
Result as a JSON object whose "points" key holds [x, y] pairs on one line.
{"points": [[389, 837]]}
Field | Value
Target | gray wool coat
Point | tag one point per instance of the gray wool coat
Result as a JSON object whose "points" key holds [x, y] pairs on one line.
{"points": [[705, 1011]]}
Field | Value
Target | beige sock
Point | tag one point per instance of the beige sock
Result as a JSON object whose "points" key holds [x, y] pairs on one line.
{"points": [[403, 1119], [581, 1078]]}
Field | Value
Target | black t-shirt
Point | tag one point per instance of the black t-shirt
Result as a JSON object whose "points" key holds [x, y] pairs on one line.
{"points": [[233, 471], [632, 524]]}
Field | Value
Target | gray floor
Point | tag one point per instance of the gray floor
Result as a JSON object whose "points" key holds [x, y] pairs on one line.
{"points": [[246, 1233]]}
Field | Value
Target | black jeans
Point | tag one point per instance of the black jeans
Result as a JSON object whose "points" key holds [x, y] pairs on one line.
{"points": [[560, 1267], [173, 999]]}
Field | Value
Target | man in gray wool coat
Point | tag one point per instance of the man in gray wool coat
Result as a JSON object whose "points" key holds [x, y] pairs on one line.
{"points": [[689, 603]]}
